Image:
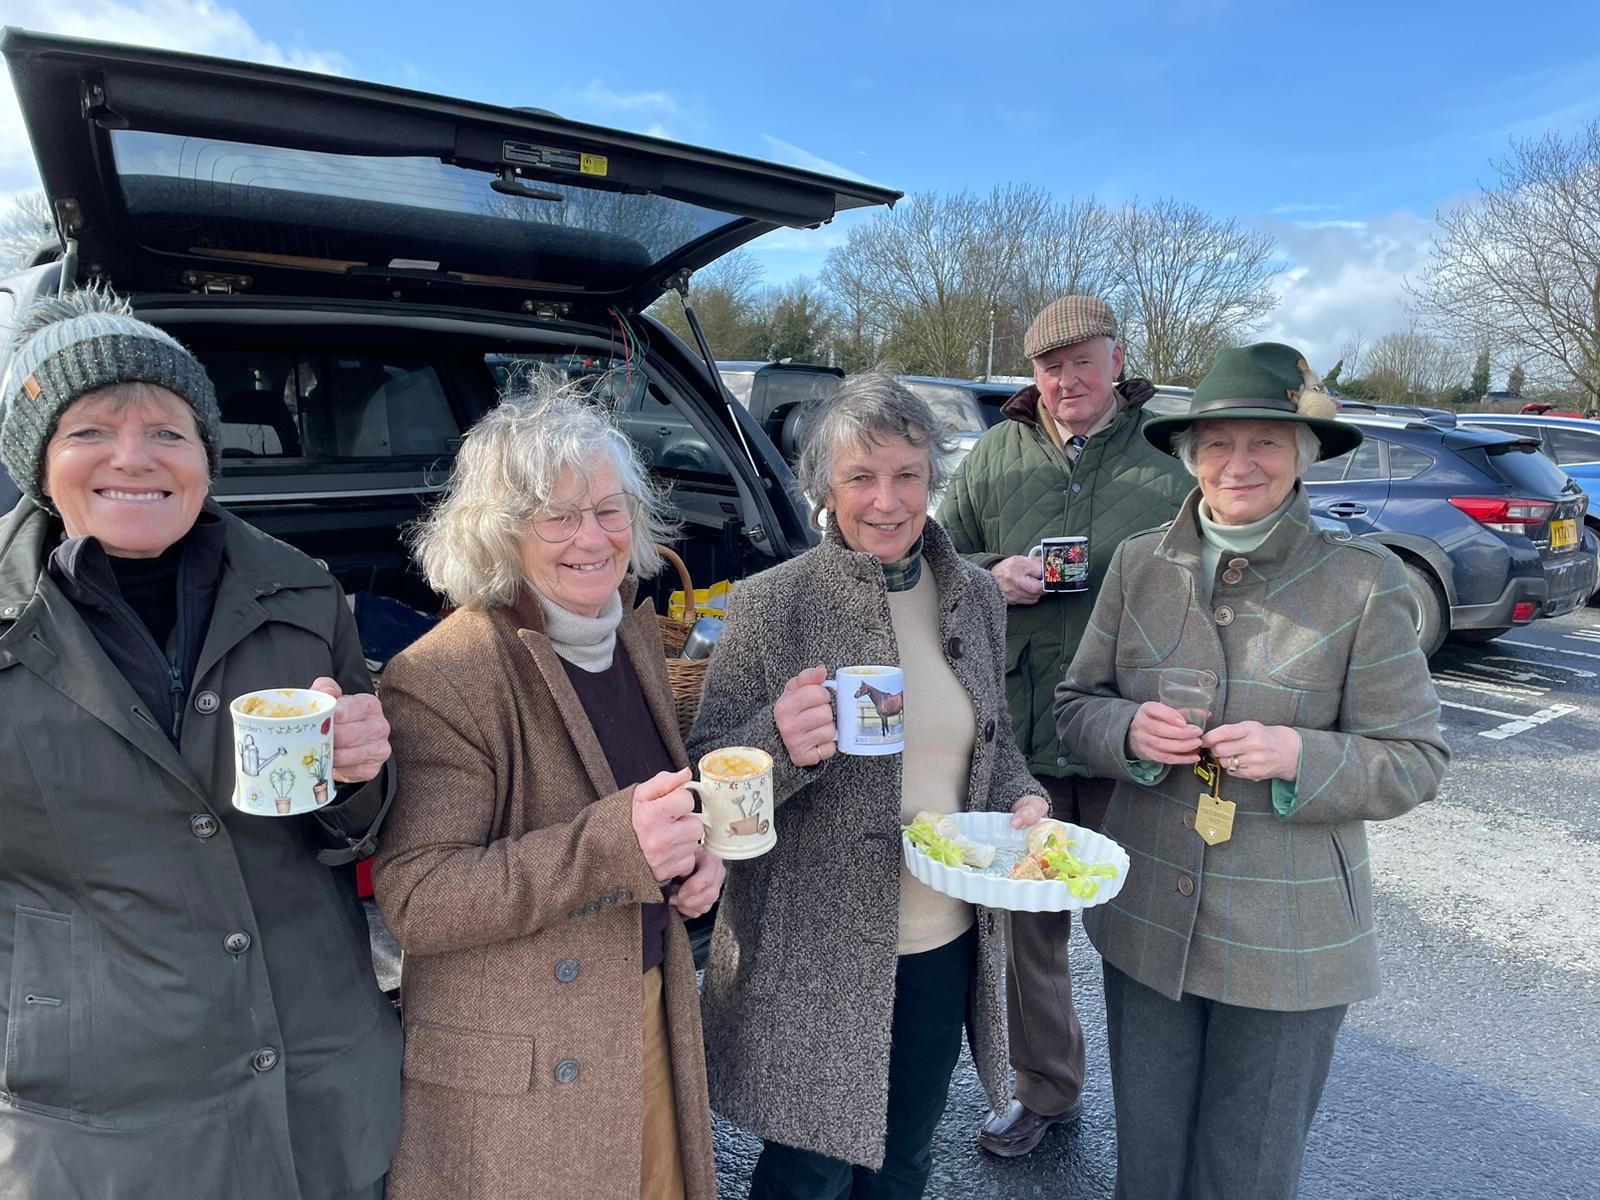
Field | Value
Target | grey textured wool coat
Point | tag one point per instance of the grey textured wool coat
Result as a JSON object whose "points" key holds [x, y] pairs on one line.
{"points": [[190, 1010], [799, 989], [1312, 630], [511, 876]]}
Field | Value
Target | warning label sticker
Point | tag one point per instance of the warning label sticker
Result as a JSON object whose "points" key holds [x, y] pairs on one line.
{"points": [[554, 158]]}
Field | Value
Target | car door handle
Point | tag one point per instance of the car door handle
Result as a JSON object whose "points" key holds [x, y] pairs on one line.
{"points": [[1347, 508]]}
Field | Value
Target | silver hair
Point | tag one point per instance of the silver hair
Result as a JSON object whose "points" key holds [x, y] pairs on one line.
{"points": [[469, 546], [867, 409], [1307, 447]]}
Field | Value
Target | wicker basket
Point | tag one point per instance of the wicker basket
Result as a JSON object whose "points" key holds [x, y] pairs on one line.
{"points": [[685, 675]]}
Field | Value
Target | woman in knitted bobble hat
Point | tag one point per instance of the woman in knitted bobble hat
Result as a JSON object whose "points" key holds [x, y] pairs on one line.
{"points": [[193, 1007]]}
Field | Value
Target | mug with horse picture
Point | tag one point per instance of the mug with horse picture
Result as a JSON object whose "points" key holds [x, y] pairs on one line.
{"points": [[871, 709]]}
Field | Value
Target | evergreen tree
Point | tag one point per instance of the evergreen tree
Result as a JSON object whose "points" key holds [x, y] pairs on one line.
{"points": [[1479, 384], [1518, 379]]}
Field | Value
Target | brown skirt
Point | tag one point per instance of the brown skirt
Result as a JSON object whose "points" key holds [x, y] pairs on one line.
{"points": [[661, 1166]]}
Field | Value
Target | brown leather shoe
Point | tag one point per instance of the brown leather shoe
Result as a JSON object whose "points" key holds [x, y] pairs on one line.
{"points": [[1019, 1129]]}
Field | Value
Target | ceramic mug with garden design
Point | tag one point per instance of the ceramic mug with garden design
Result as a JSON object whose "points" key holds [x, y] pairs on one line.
{"points": [[282, 751]]}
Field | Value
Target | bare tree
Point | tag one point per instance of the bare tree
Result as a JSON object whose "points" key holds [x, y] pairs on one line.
{"points": [[1189, 285], [926, 276], [727, 300], [1070, 251], [25, 229], [1519, 268], [1413, 367]]}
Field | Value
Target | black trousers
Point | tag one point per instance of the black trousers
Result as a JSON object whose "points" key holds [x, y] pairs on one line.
{"points": [[1047, 1048], [1213, 1100], [930, 1008]]}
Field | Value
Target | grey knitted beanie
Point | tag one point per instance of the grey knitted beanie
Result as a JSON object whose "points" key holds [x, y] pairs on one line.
{"points": [[67, 345]]}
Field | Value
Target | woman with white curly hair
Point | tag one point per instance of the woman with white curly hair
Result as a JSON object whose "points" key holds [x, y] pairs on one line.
{"points": [[543, 850]]}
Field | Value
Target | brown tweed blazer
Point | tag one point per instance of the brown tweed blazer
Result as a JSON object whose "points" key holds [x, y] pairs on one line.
{"points": [[1312, 630], [511, 877]]}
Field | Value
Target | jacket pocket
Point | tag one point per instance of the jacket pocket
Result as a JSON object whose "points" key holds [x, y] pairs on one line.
{"points": [[38, 1065], [1341, 861], [469, 1061]]}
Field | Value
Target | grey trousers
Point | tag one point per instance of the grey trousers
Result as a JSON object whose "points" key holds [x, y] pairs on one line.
{"points": [[1213, 1100], [1046, 1041]]}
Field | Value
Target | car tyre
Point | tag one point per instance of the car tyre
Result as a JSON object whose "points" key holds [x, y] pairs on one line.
{"points": [[1428, 603], [1478, 635]]}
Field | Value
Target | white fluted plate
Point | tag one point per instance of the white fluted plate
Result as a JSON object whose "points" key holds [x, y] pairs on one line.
{"points": [[991, 888]]}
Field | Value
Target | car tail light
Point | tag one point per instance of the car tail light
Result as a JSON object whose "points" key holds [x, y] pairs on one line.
{"points": [[1506, 516], [1523, 611]]}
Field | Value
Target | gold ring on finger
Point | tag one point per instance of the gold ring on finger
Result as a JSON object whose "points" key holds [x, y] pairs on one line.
{"points": [[1233, 763]]}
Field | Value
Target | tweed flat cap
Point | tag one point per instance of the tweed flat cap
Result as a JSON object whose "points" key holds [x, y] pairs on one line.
{"points": [[65, 346], [1067, 320]]}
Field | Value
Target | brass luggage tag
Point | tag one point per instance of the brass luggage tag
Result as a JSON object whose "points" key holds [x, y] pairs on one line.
{"points": [[1213, 821]]}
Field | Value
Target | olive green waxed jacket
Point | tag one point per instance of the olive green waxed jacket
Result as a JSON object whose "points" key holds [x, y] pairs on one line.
{"points": [[1014, 489]]}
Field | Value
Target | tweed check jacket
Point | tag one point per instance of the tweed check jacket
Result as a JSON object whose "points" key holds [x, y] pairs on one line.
{"points": [[1317, 634]]}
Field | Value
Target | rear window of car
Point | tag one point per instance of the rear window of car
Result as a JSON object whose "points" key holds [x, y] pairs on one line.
{"points": [[1573, 445], [1362, 463], [785, 388], [954, 405], [330, 407], [1523, 468]]}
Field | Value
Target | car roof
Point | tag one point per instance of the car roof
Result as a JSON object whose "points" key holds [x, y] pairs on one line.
{"points": [[756, 364], [982, 387], [180, 172], [1459, 437], [1536, 419]]}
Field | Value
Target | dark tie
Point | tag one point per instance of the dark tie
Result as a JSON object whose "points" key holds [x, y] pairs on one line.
{"points": [[1073, 448]]}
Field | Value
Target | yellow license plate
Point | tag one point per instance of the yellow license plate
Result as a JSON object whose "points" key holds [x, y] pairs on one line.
{"points": [[1563, 534]]}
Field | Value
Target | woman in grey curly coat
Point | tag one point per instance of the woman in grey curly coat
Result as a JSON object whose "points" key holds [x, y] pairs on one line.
{"points": [[838, 986]]}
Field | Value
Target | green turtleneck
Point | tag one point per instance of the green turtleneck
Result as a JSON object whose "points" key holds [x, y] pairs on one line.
{"points": [[1217, 540]]}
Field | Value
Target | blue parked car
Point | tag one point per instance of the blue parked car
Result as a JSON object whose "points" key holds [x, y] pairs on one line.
{"points": [[1491, 531], [1573, 442]]}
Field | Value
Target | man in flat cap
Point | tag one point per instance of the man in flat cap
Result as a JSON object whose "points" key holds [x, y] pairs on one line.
{"points": [[1069, 462]]}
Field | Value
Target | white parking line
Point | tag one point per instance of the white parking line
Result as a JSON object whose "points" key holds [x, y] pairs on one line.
{"points": [[1542, 646], [1488, 712], [1521, 725]]}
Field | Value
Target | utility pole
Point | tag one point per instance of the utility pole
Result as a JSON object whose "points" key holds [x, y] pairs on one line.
{"points": [[988, 366]]}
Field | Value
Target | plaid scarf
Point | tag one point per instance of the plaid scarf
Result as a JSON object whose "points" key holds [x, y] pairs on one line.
{"points": [[902, 576]]}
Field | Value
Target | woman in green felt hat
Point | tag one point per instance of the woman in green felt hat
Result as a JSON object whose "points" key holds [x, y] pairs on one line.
{"points": [[1245, 928]]}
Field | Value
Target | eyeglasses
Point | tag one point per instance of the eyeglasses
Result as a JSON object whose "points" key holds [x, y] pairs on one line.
{"points": [[612, 513]]}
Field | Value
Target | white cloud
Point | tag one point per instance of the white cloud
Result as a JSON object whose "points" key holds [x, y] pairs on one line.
{"points": [[1345, 278], [198, 26], [595, 95]]}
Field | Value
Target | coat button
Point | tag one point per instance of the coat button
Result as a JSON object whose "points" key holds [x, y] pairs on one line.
{"points": [[608, 900], [203, 825], [264, 1059], [952, 648], [10, 610], [236, 942], [624, 895], [1224, 615], [207, 702], [1238, 564], [592, 907], [566, 970], [1062, 761], [1188, 820], [1232, 575], [575, 914], [988, 730], [1077, 487], [1185, 886], [566, 1071]]}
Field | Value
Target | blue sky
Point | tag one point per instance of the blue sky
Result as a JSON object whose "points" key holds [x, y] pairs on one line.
{"points": [[1341, 130]]}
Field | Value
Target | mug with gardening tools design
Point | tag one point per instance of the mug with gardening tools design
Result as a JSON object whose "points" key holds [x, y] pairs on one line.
{"points": [[283, 751]]}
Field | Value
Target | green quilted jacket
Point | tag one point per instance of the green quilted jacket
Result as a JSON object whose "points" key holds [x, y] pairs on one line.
{"points": [[1014, 489]]}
